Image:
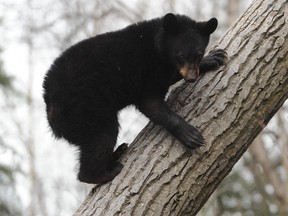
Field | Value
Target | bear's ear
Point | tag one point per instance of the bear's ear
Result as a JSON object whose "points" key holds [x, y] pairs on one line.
{"points": [[170, 23], [208, 27]]}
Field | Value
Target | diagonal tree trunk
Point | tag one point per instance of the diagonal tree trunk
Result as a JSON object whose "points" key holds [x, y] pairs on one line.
{"points": [[230, 107]]}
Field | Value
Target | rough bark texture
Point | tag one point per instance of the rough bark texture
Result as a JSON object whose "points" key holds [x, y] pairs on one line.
{"points": [[230, 107]]}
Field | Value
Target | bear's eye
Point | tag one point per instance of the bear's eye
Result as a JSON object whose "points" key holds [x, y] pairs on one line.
{"points": [[181, 58]]}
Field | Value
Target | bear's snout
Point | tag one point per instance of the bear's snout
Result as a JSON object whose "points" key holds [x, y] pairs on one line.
{"points": [[189, 72]]}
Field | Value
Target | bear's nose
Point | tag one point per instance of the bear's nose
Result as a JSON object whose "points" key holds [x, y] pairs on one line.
{"points": [[192, 74], [191, 80]]}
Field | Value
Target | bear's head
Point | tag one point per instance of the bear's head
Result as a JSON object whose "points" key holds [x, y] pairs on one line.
{"points": [[183, 43]]}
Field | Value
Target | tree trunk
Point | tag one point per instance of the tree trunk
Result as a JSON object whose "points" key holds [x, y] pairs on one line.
{"points": [[230, 107], [233, 10]]}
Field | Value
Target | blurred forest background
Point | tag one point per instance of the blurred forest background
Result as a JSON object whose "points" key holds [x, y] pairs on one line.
{"points": [[38, 173]]}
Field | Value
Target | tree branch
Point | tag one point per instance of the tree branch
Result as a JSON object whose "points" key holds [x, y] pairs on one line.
{"points": [[260, 154]]}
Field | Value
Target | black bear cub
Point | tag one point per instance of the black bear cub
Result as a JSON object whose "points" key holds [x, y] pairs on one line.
{"points": [[91, 81]]}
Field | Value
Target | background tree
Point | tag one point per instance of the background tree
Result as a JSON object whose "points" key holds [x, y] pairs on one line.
{"points": [[8, 195], [160, 177]]}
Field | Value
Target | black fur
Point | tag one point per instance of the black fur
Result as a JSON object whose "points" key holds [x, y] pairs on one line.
{"points": [[94, 79]]}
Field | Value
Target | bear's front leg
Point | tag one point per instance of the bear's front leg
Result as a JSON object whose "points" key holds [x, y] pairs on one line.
{"points": [[213, 60], [157, 110]]}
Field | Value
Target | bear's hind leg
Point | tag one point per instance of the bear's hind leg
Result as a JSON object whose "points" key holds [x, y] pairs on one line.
{"points": [[117, 154], [97, 168], [97, 163]]}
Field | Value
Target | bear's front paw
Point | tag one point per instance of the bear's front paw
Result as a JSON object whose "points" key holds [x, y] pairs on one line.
{"points": [[190, 137], [213, 60], [218, 55]]}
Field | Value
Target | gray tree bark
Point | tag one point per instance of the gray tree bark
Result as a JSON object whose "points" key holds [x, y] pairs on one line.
{"points": [[230, 107]]}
